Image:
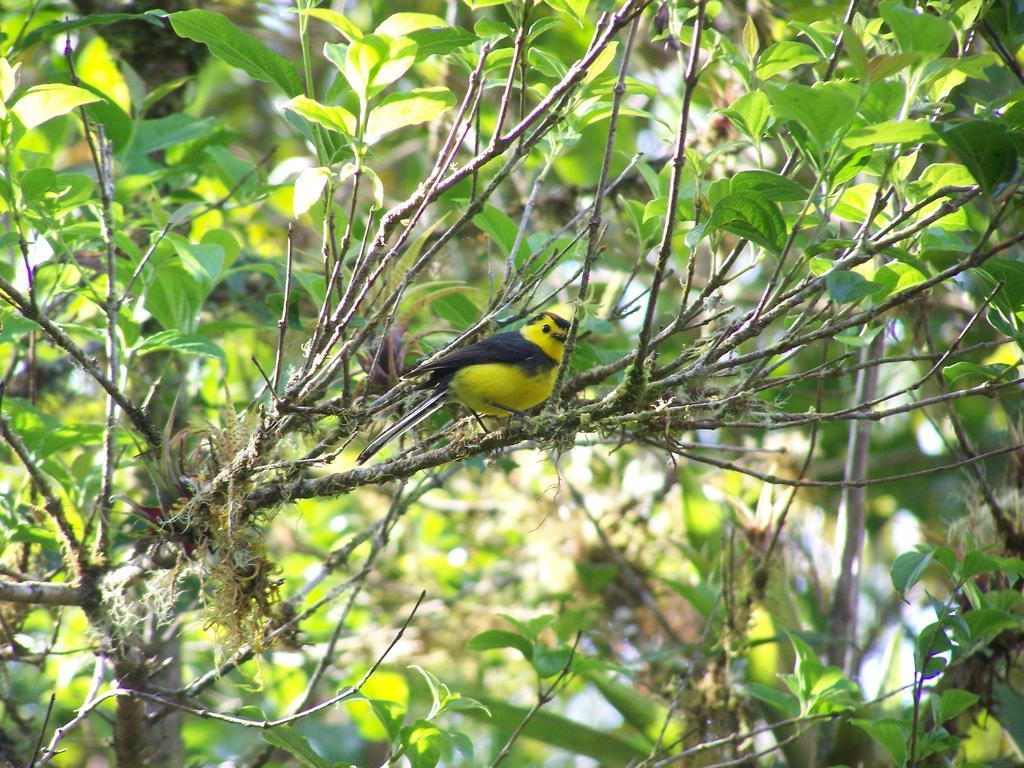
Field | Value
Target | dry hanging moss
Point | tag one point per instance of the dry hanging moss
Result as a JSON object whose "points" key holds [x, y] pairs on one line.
{"points": [[129, 604], [228, 548]]}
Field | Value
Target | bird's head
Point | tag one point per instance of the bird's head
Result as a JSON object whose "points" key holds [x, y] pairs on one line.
{"points": [[548, 331]]}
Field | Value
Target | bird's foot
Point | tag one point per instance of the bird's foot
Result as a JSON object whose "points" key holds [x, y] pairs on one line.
{"points": [[505, 408]]}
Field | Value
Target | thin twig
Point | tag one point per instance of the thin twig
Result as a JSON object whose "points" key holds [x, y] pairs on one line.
{"points": [[89, 704], [678, 160], [594, 225], [42, 731], [246, 722], [544, 697]]}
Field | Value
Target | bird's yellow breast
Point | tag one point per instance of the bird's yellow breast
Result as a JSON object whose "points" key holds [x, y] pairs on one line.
{"points": [[486, 387]]}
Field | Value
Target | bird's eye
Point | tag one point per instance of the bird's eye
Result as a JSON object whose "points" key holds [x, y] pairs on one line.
{"points": [[546, 329]]}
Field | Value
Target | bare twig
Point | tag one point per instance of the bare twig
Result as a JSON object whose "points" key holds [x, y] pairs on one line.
{"points": [[86, 361], [89, 704], [594, 225], [42, 731], [544, 697], [208, 714], [282, 323], [678, 160]]}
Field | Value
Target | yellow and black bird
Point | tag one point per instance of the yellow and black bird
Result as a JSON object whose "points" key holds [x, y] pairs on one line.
{"points": [[499, 376]]}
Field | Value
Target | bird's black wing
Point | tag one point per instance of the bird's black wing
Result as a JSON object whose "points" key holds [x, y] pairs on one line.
{"points": [[508, 347]]}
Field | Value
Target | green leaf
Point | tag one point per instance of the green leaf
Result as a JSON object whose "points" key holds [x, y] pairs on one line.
{"points": [[699, 595], [337, 20], [537, 28], [770, 185], [749, 113], [457, 308], [786, 704], [499, 638], [391, 714], [859, 337], [423, 742], [1009, 272], [608, 749], [833, 692], [65, 25], [313, 283], [538, 624], [987, 150], [551, 661], [896, 277], [204, 261], [917, 32], [823, 41], [499, 226], [459, 703], [990, 621], [752, 216], [45, 102], [419, 105], [602, 62], [162, 90], [233, 46], [908, 568], [464, 744], [854, 48], [847, 287], [176, 341], [598, 111], [1009, 710], [893, 132], [784, 56], [892, 734], [807, 670], [295, 744], [252, 712], [176, 289], [375, 61], [932, 642], [992, 372], [828, 245], [546, 64], [884, 65], [439, 42], [939, 175], [309, 187], [1012, 567], [825, 110], [45, 435], [31, 534], [751, 39], [401, 24], [378, 186], [173, 297], [13, 327], [953, 702], [336, 119], [35, 183], [596, 576], [576, 9], [439, 692], [161, 133]]}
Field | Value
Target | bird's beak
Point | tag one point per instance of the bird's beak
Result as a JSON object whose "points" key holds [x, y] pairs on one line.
{"points": [[560, 336]]}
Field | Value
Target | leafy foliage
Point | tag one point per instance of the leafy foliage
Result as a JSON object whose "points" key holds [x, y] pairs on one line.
{"points": [[777, 492]]}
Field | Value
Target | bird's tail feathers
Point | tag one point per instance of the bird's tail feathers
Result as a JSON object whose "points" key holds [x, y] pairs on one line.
{"points": [[432, 403]]}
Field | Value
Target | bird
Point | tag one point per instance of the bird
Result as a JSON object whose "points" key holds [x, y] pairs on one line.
{"points": [[499, 376]]}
